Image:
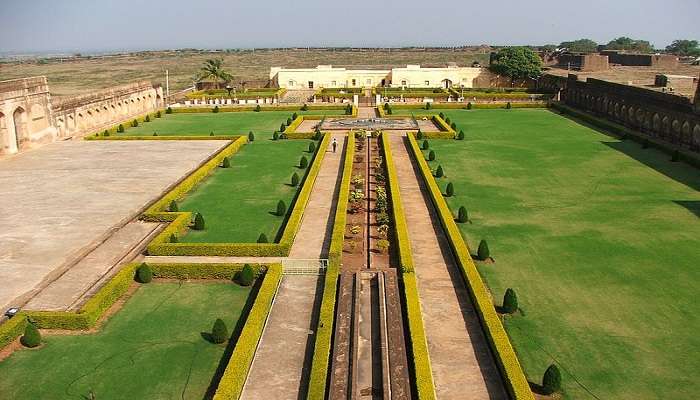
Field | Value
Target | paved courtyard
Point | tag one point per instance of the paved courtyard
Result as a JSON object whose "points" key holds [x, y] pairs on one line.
{"points": [[63, 199]]}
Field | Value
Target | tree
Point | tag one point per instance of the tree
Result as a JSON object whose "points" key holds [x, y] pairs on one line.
{"points": [[258, 108], [462, 215], [173, 238], [283, 126], [173, 206], [419, 134], [198, 222], [263, 238], [251, 136], [431, 155], [450, 190], [460, 135], [625, 43], [426, 145], [135, 123], [439, 173], [312, 147], [213, 69], [31, 337], [517, 63], [147, 119], [304, 107], [281, 208], [469, 105], [144, 274], [303, 162], [169, 110], [551, 381], [245, 276], [120, 128], [295, 179], [219, 332], [226, 163], [510, 301], [684, 48], [580, 46], [215, 110], [483, 252], [275, 136]]}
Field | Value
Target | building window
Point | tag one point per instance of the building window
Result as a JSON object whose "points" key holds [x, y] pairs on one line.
{"points": [[311, 84], [368, 81], [333, 84], [354, 82], [403, 83], [291, 83], [427, 83]]}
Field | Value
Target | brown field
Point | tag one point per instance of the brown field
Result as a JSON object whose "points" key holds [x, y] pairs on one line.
{"points": [[80, 75]]}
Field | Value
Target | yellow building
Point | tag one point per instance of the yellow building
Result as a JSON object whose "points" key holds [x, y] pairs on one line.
{"points": [[412, 76]]}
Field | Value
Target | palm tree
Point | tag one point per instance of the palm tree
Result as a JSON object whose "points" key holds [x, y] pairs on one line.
{"points": [[213, 68]]}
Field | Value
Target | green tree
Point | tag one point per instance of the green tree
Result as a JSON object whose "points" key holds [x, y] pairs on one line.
{"points": [[295, 179], [684, 48], [460, 135], [439, 172], [580, 46], [462, 215], [31, 337], [450, 190], [198, 222], [214, 69], [551, 381], [281, 208], [517, 63], [510, 301], [144, 274], [251, 136], [426, 145], [173, 238], [245, 276], [483, 252], [431, 155], [173, 206], [419, 134], [226, 163], [625, 43], [303, 162], [312, 147], [219, 332], [263, 238]]}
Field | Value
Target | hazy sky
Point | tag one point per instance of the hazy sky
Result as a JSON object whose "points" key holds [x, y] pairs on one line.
{"points": [[85, 25]]}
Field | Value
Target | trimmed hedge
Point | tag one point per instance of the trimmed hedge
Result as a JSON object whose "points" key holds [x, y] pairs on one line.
{"points": [[506, 359], [236, 372], [12, 328], [418, 342], [324, 331]]}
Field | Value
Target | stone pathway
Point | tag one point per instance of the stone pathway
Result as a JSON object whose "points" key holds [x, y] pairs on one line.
{"points": [[366, 112], [462, 365], [281, 366]]}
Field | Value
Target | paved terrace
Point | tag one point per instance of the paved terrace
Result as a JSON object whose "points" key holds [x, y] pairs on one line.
{"points": [[60, 201]]}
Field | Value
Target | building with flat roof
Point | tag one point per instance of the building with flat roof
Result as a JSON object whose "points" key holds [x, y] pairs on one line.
{"points": [[412, 76]]}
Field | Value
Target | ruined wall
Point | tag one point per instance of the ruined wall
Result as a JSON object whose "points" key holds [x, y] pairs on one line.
{"points": [[641, 60], [85, 114], [29, 117], [25, 114], [584, 62], [668, 117]]}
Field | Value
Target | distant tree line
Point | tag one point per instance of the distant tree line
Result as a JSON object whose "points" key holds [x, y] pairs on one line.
{"points": [[681, 47]]}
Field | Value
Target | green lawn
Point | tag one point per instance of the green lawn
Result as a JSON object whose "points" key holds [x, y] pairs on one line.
{"points": [[599, 238], [236, 202], [224, 123], [151, 349]]}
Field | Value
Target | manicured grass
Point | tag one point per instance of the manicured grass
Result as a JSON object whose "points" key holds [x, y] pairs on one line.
{"points": [[224, 123], [237, 202], [151, 349], [599, 238]]}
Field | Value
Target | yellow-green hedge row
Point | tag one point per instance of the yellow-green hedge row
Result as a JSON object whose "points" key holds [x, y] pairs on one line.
{"points": [[179, 221], [238, 367], [442, 125], [189, 137], [126, 124], [505, 356], [438, 135], [418, 342], [12, 328], [208, 109], [324, 330], [294, 125]]}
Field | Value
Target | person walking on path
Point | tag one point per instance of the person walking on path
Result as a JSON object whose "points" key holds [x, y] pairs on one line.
{"points": [[334, 144]]}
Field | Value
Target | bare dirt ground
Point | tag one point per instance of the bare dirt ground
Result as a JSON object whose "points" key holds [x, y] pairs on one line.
{"points": [[636, 76], [81, 75]]}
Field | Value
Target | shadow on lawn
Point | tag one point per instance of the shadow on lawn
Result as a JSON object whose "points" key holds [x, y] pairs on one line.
{"points": [[223, 362], [691, 205]]}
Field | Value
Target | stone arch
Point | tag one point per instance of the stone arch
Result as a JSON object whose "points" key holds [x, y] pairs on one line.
{"points": [[665, 126], [19, 117], [675, 130], [4, 135], [696, 135], [38, 120], [685, 132], [656, 122]]}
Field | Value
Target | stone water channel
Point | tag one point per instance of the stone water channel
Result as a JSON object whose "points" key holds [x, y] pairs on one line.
{"points": [[369, 351]]}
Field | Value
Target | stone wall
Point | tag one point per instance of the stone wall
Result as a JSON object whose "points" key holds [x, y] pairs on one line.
{"points": [[583, 62], [668, 117], [28, 116], [641, 60]]}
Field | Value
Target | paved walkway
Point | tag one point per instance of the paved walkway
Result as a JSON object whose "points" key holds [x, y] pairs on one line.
{"points": [[461, 361], [60, 201], [283, 359], [366, 112]]}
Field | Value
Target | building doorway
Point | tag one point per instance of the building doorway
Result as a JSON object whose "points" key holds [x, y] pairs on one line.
{"points": [[3, 134], [311, 84], [19, 117], [446, 83]]}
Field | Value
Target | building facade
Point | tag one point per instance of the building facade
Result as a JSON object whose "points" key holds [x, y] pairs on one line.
{"points": [[411, 76], [28, 115]]}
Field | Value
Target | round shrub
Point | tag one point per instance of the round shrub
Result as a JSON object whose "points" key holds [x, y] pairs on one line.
{"points": [[462, 215], [303, 162], [281, 208], [428, 105], [275, 136], [31, 337], [460, 135], [173, 206], [312, 147], [147, 119], [450, 190], [483, 252], [426, 145], [257, 108], [262, 238], [168, 110], [469, 105], [120, 128], [198, 222], [216, 109], [295, 179], [245, 276], [144, 274], [219, 332], [173, 238], [431, 155], [419, 135], [304, 107], [158, 114], [551, 381], [508, 106], [105, 133], [226, 163], [135, 123], [439, 173], [510, 301], [251, 136]]}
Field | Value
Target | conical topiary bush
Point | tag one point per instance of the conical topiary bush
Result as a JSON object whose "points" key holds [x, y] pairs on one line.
{"points": [[173, 238], [462, 215], [245, 276], [439, 173], [219, 332], [450, 190], [312, 147], [460, 135], [510, 301], [173, 206], [198, 222], [31, 337], [303, 162], [551, 381], [251, 136], [295, 179], [262, 238], [483, 252], [431, 155], [281, 208], [144, 274], [426, 145], [226, 163]]}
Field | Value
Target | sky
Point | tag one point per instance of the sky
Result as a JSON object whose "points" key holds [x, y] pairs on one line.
{"points": [[111, 25]]}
